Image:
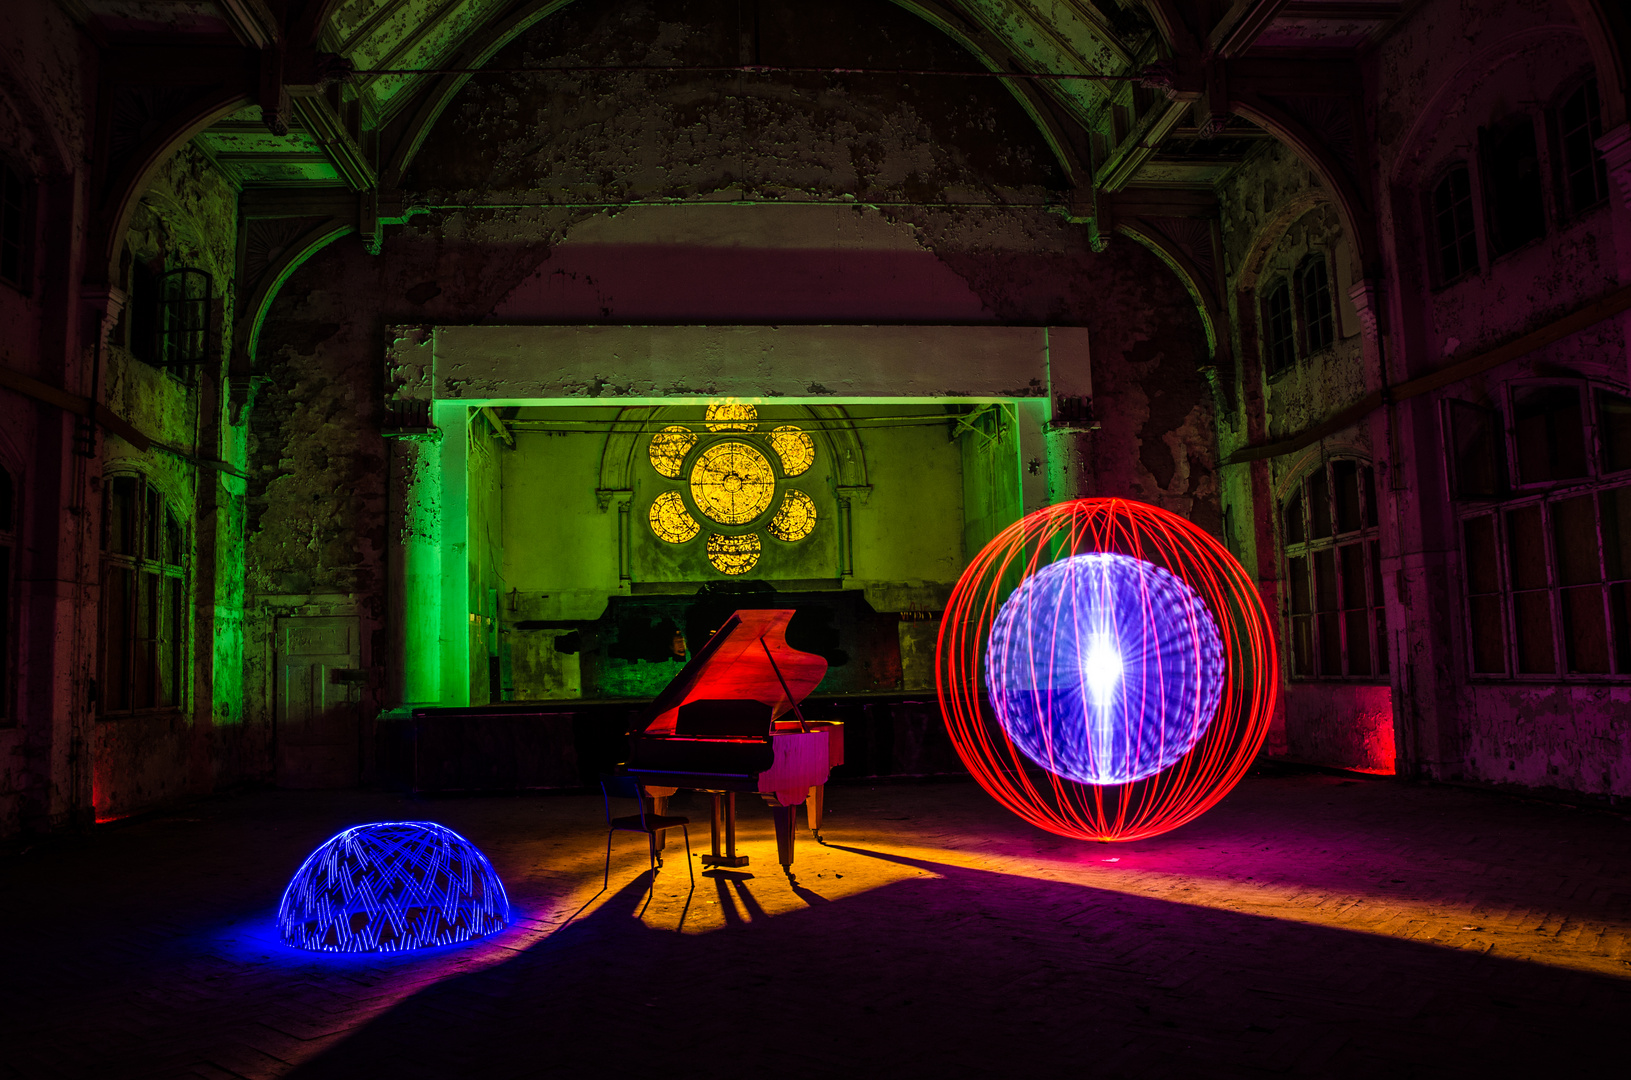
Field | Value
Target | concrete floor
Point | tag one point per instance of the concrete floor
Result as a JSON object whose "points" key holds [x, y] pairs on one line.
{"points": [[1309, 925]]}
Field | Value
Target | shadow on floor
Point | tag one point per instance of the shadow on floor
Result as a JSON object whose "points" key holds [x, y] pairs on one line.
{"points": [[962, 972]]}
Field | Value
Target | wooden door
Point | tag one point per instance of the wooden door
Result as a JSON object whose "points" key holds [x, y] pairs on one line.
{"points": [[319, 702]]}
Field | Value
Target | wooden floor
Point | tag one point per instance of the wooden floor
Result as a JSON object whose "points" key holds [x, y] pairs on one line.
{"points": [[1309, 925]]}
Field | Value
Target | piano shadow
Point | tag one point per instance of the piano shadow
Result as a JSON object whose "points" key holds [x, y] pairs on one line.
{"points": [[962, 971]]}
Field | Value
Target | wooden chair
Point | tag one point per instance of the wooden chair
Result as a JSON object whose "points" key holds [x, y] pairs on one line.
{"points": [[652, 824]]}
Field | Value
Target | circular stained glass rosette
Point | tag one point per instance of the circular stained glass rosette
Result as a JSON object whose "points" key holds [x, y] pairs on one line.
{"points": [[795, 519], [733, 554], [732, 483], [668, 449], [795, 448], [731, 416], [671, 521]]}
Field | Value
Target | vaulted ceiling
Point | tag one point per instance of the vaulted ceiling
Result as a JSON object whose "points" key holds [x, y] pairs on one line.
{"points": [[398, 48]]}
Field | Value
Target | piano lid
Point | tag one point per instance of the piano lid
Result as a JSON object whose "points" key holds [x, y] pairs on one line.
{"points": [[734, 664]]}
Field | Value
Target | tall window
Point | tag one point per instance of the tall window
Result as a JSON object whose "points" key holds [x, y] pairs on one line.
{"points": [[1547, 559], [1579, 126], [169, 316], [1314, 291], [1453, 228], [1514, 202], [14, 227], [143, 599], [1333, 598], [8, 545], [1279, 333]]}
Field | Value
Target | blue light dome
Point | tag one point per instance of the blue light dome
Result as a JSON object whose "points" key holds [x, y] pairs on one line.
{"points": [[1104, 668], [392, 886]]}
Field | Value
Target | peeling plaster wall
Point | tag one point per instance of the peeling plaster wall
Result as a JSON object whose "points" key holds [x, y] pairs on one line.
{"points": [[1275, 215], [43, 121], [186, 218], [826, 201], [1442, 75]]}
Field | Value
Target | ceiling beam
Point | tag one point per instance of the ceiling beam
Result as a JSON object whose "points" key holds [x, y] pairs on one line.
{"points": [[1236, 31]]}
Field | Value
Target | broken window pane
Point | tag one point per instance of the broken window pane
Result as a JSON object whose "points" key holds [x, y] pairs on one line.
{"points": [[1580, 125], [1296, 533], [1549, 432], [1279, 336], [1615, 506], [1488, 622], [1574, 540], [1346, 475], [1513, 198], [1614, 430], [1585, 630], [1314, 285], [1319, 504], [1453, 225], [1476, 453]]}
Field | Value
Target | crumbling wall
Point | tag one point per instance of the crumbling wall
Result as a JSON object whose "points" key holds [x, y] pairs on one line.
{"points": [[944, 196]]}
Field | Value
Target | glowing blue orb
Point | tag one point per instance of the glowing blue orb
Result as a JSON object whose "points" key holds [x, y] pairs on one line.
{"points": [[392, 886], [1103, 668]]}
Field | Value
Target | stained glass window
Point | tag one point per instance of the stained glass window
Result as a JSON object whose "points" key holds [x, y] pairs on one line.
{"points": [[671, 521], [733, 554], [668, 449], [794, 447], [795, 519], [732, 483], [731, 416]]}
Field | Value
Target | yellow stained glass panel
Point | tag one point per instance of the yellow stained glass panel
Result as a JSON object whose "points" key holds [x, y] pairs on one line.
{"points": [[732, 483], [731, 416], [794, 447], [668, 449], [795, 519], [733, 554], [671, 521]]}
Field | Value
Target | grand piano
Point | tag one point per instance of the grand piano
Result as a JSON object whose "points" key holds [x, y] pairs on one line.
{"points": [[730, 722]]}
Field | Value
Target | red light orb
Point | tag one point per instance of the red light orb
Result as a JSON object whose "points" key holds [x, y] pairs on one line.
{"points": [[1153, 804]]}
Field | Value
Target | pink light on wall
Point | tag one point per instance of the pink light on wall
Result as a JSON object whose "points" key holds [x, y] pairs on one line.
{"points": [[1025, 773]]}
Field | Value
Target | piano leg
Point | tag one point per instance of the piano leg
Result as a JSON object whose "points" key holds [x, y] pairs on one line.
{"points": [[725, 808], [658, 806], [784, 834], [814, 805]]}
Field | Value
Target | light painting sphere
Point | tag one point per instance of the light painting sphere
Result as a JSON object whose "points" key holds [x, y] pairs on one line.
{"points": [[1104, 668]]}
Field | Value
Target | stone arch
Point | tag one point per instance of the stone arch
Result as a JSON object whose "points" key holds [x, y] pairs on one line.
{"points": [[486, 43]]}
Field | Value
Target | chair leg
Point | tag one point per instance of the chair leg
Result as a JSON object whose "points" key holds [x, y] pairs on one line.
{"points": [[687, 834], [606, 879]]}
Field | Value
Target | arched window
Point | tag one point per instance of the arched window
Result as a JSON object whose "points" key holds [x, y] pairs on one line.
{"points": [[1279, 331], [1454, 232], [1333, 567], [1314, 291], [144, 626], [15, 227], [1546, 557], [1579, 124]]}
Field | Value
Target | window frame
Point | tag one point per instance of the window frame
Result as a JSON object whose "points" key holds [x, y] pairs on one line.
{"points": [[1366, 538], [172, 586], [28, 194], [1557, 147], [1430, 216], [1487, 137], [1544, 497], [1274, 286], [1316, 258]]}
